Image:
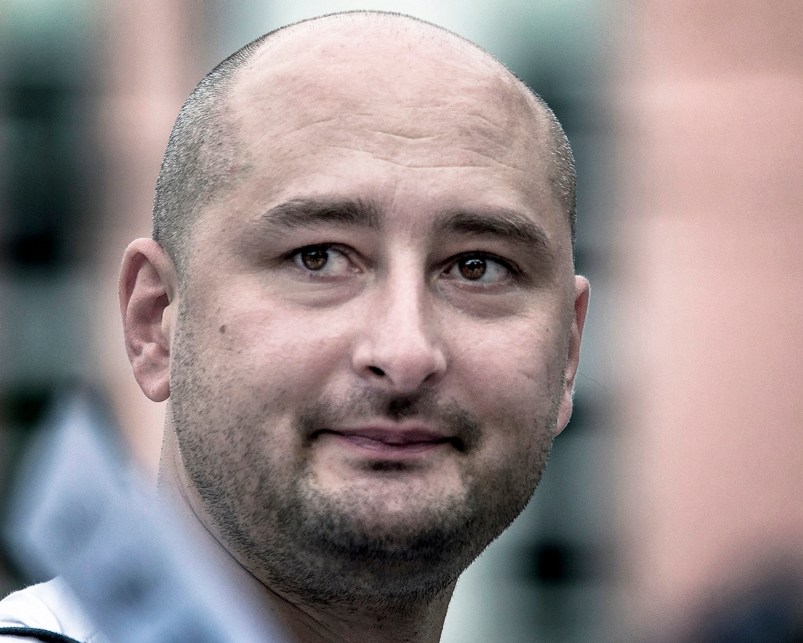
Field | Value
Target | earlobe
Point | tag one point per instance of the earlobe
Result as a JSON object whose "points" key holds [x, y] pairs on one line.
{"points": [[581, 294], [148, 289]]}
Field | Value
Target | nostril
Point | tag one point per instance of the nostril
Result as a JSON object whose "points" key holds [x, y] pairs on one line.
{"points": [[377, 371]]}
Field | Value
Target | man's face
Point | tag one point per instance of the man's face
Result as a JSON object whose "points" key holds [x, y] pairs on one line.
{"points": [[368, 359]]}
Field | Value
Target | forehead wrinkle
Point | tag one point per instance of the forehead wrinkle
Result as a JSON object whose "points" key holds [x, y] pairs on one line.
{"points": [[307, 78], [484, 102]]}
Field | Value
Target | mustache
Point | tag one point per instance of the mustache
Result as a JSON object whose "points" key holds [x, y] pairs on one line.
{"points": [[446, 415]]}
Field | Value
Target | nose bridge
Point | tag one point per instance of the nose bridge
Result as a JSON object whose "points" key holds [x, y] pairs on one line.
{"points": [[408, 311], [401, 342]]}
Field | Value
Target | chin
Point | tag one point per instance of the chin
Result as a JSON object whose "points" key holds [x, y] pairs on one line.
{"points": [[350, 548]]}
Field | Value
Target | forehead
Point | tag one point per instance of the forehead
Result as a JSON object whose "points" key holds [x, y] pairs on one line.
{"points": [[382, 115], [385, 55], [355, 77]]}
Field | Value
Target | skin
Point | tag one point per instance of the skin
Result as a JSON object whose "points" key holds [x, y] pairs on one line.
{"points": [[377, 333]]}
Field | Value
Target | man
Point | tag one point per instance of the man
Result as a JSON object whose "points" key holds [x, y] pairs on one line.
{"points": [[360, 304]]}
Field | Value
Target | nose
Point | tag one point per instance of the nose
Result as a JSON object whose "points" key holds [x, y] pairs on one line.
{"points": [[398, 346]]}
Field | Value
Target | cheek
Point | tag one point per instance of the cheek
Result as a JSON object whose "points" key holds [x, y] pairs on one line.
{"points": [[278, 348], [513, 381], [517, 362]]}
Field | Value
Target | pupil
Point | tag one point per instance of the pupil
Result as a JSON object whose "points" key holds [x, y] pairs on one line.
{"points": [[314, 259], [472, 268]]}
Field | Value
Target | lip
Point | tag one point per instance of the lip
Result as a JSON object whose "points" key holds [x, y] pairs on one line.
{"points": [[391, 442]]}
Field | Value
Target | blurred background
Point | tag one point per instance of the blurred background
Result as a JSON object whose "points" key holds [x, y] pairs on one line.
{"points": [[672, 508]]}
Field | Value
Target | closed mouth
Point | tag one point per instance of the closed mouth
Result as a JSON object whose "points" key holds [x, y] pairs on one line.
{"points": [[390, 441]]}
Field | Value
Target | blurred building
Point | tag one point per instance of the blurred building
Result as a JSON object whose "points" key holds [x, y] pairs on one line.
{"points": [[685, 118], [88, 92], [709, 104]]}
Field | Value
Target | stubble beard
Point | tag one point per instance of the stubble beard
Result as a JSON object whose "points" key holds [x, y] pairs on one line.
{"points": [[334, 549]]}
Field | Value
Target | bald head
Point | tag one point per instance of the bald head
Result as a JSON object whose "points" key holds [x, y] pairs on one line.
{"points": [[345, 61]]}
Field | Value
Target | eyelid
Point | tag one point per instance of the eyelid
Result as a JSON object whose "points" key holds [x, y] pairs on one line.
{"points": [[344, 250], [484, 254], [347, 252]]}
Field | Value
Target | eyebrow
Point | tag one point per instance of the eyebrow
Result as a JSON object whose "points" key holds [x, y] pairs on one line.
{"points": [[301, 213], [502, 223]]}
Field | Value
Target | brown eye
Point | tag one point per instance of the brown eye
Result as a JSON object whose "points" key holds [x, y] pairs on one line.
{"points": [[472, 268], [325, 261], [314, 258], [481, 270]]}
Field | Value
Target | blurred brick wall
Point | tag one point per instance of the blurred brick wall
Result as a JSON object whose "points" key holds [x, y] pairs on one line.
{"points": [[150, 60], [709, 98]]}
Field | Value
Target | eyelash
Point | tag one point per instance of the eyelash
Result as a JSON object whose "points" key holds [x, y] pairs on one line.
{"points": [[508, 265], [348, 253], [345, 251]]}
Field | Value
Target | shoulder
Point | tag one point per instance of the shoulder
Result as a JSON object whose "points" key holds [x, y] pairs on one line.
{"points": [[47, 606]]}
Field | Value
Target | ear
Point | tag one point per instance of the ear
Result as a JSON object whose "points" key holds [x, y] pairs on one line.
{"points": [[581, 292], [148, 299]]}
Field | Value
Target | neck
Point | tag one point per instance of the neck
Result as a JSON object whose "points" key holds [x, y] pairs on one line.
{"points": [[418, 623], [300, 620]]}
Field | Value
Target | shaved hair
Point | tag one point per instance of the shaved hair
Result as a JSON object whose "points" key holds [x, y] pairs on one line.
{"points": [[205, 158]]}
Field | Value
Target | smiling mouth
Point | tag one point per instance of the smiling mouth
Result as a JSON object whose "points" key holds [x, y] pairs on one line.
{"points": [[384, 443]]}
